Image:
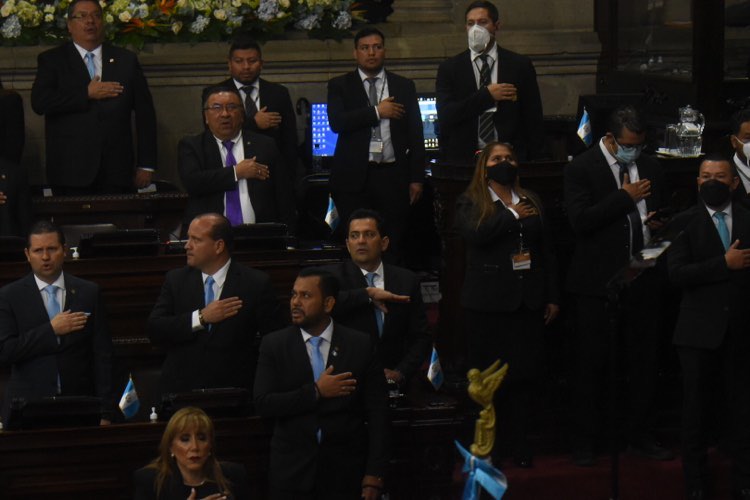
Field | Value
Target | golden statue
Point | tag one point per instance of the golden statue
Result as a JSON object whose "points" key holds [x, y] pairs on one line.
{"points": [[482, 387]]}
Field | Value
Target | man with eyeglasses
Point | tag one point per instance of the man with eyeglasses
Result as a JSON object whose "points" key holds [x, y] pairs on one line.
{"points": [[381, 299], [231, 171], [613, 195], [88, 91], [379, 157], [487, 93]]}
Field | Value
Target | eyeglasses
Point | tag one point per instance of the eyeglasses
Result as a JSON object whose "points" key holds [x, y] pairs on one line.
{"points": [[85, 16], [218, 108]]}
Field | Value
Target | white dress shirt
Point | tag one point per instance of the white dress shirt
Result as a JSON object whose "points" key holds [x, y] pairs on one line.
{"points": [[97, 57], [381, 89]]}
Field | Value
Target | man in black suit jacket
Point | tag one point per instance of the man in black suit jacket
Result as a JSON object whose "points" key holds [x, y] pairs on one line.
{"points": [[253, 174], [612, 193], [269, 111], [512, 98], [379, 158], [87, 108], [740, 140], [390, 309], [211, 338], [713, 271], [12, 132], [322, 383], [53, 329]]}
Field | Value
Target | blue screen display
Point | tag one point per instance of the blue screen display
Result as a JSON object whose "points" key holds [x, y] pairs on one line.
{"points": [[323, 138]]}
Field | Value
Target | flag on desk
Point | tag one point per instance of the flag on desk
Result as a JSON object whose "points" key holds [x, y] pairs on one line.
{"points": [[129, 403], [435, 372], [332, 214], [584, 129]]}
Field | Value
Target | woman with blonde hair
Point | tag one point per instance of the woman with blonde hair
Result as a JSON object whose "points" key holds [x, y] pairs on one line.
{"points": [[510, 289], [187, 467]]}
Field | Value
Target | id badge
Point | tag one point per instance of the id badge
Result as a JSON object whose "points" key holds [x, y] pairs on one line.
{"points": [[521, 260], [376, 146]]}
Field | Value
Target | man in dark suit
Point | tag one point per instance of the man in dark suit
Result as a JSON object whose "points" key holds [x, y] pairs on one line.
{"points": [[53, 329], [15, 200], [612, 193], [381, 299], [740, 140], [322, 383], [268, 106], [487, 93], [379, 157], [87, 92], [12, 132], [710, 261], [210, 314], [231, 171]]}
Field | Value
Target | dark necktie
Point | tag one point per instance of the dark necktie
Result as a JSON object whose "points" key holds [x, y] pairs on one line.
{"points": [[634, 219], [486, 119], [250, 107], [370, 277], [233, 206], [373, 96]]}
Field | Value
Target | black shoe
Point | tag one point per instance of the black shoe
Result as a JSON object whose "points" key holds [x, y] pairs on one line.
{"points": [[583, 458], [650, 449], [524, 461], [696, 494]]}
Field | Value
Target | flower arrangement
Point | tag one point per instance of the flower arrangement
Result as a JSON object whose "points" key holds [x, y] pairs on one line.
{"points": [[135, 22]]}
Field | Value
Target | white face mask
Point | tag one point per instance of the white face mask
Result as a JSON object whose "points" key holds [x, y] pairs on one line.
{"points": [[746, 152], [479, 38]]}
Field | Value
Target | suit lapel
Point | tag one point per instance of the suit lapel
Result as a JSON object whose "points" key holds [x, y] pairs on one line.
{"points": [[35, 296], [212, 150], [76, 61], [338, 352], [109, 67], [358, 89]]}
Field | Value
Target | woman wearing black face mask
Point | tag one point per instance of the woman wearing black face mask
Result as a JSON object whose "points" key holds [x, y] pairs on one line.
{"points": [[510, 288]]}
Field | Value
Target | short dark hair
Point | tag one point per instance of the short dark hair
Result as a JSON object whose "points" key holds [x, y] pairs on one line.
{"points": [[625, 117], [718, 158], [72, 5], [368, 31], [221, 229], [216, 89], [45, 227], [366, 213], [244, 42], [482, 4], [738, 119], [329, 283]]}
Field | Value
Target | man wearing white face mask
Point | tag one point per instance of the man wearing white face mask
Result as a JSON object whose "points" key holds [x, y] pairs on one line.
{"points": [[487, 93], [613, 194], [740, 140]]}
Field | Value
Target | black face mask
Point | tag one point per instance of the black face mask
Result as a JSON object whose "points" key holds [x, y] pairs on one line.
{"points": [[503, 173], [714, 193]]}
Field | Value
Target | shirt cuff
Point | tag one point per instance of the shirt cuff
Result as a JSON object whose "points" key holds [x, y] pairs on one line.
{"points": [[196, 324], [515, 214], [147, 169]]}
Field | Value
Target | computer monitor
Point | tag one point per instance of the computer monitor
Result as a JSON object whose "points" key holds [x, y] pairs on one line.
{"points": [[323, 138], [428, 111]]}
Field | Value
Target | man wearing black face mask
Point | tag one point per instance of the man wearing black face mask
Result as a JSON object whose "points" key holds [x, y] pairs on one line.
{"points": [[612, 193], [710, 260]]}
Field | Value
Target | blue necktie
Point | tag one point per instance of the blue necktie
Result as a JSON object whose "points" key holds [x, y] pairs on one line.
{"points": [[721, 225], [318, 365], [209, 294], [370, 277], [53, 306], [90, 64], [233, 205]]}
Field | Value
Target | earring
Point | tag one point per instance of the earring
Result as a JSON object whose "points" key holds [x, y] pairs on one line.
{"points": [[171, 455]]}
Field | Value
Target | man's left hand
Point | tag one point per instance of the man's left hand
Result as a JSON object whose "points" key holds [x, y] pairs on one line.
{"points": [[142, 178], [550, 313], [415, 192], [267, 119], [372, 487]]}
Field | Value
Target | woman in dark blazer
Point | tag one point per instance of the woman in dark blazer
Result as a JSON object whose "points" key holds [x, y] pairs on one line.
{"points": [[187, 468], [510, 287]]}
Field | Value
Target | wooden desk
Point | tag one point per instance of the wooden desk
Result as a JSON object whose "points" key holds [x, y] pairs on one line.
{"points": [[98, 462]]}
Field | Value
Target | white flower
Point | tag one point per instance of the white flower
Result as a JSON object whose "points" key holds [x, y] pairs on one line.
{"points": [[142, 11], [49, 9], [284, 4], [176, 27], [11, 28], [267, 10], [220, 14], [236, 3], [199, 24], [125, 17], [343, 21], [308, 22], [48, 18], [8, 8], [109, 18]]}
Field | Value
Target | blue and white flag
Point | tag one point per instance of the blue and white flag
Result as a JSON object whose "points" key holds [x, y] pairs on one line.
{"points": [[332, 214], [481, 475], [435, 372], [129, 403], [584, 129]]}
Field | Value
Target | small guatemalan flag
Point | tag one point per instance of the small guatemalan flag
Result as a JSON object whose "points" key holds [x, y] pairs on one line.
{"points": [[584, 129], [435, 372], [129, 403], [332, 214]]}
